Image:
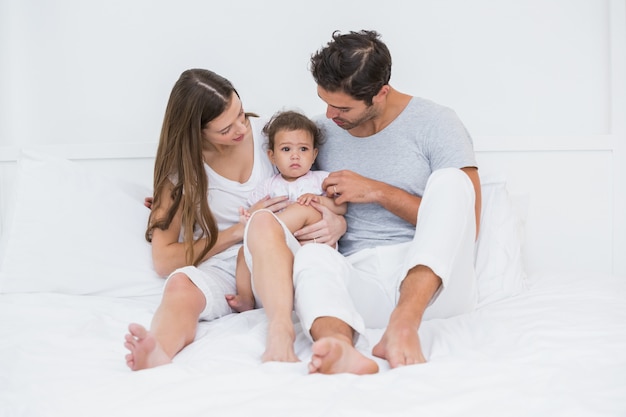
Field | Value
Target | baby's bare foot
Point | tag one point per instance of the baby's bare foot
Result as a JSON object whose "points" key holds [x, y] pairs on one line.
{"points": [[239, 303]]}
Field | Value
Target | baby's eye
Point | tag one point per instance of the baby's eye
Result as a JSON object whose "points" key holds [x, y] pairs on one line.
{"points": [[285, 149], [304, 149]]}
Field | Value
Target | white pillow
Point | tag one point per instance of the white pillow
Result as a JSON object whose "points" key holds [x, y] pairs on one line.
{"points": [[76, 232], [499, 262]]}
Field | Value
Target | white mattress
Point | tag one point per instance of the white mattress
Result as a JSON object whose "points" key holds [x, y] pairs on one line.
{"points": [[556, 349]]}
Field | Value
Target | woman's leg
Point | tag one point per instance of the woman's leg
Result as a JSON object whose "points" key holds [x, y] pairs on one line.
{"points": [[173, 325], [272, 268]]}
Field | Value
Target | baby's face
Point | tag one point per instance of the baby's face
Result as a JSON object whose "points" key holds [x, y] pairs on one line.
{"points": [[293, 153]]}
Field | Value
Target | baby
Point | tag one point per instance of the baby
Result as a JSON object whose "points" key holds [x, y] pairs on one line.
{"points": [[292, 147]]}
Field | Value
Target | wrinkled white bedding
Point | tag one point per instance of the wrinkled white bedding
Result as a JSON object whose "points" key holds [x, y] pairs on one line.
{"points": [[556, 349]]}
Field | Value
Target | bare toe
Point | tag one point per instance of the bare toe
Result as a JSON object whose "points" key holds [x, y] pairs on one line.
{"points": [[333, 355], [145, 352]]}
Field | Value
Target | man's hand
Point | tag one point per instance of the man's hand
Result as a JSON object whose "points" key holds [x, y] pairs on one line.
{"points": [[350, 187], [328, 230]]}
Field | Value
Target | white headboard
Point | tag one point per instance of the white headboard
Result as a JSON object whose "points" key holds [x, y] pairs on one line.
{"points": [[573, 190]]}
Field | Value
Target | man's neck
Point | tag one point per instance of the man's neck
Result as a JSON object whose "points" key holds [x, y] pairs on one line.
{"points": [[389, 109]]}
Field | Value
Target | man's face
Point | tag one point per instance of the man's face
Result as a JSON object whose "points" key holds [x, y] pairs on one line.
{"points": [[344, 110]]}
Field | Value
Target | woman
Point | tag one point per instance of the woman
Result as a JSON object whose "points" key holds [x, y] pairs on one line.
{"points": [[210, 157]]}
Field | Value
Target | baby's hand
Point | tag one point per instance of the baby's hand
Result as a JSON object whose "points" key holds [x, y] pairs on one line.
{"points": [[305, 199], [244, 215]]}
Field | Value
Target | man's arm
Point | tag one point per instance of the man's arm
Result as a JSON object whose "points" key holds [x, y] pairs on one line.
{"points": [[354, 188]]}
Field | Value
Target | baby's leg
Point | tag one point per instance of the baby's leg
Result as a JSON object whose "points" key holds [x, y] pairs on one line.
{"points": [[296, 216], [244, 299]]}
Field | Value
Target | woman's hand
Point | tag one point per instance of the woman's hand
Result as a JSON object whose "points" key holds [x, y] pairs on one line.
{"points": [[274, 204], [328, 230]]}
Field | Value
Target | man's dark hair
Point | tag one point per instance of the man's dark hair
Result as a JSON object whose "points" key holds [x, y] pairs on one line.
{"points": [[356, 63]]}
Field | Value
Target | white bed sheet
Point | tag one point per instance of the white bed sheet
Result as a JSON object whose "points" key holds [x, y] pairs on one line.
{"points": [[557, 349]]}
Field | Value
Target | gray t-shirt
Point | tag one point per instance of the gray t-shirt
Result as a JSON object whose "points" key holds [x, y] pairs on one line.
{"points": [[423, 138]]}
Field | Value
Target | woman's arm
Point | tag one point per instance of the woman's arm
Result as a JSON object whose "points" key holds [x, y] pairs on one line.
{"points": [[169, 254]]}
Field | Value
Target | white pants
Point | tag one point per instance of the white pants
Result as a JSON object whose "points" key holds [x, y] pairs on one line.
{"points": [[363, 288]]}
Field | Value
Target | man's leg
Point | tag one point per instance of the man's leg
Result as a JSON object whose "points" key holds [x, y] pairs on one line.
{"points": [[440, 259], [325, 309], [334, 351], [400, 343]]}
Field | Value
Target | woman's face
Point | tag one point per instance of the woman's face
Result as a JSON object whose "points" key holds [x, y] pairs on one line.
{"points": [[230, 127]]}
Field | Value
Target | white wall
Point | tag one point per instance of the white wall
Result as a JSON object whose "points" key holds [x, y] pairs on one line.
{"points": [[76, 71], [539, 84]]}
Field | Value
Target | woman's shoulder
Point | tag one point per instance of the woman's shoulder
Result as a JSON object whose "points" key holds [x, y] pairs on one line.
{"points": [[256, 124], [263, 167]]}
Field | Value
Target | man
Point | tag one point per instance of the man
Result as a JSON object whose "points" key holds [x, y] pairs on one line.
{"points": [[407, 168]]}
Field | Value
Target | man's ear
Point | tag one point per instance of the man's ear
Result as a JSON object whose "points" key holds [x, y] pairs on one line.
{"points": [[382, 93]]}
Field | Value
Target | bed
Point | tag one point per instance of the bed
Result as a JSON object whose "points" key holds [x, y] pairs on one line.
{"points": [[75, 270]]}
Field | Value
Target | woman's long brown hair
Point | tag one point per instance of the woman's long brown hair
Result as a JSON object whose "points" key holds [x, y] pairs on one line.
{"points": [[198, 97]]}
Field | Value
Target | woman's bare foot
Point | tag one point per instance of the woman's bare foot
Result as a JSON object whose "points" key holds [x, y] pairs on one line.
{"points": [[145, 352], [239, 303], [279, 345], [334, 355], [400, 345]]}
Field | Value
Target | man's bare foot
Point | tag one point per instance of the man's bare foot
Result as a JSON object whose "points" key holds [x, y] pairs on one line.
{"points": [[279, 345], [145, 352], [334, 355], [400, 345], [239, 303]]}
